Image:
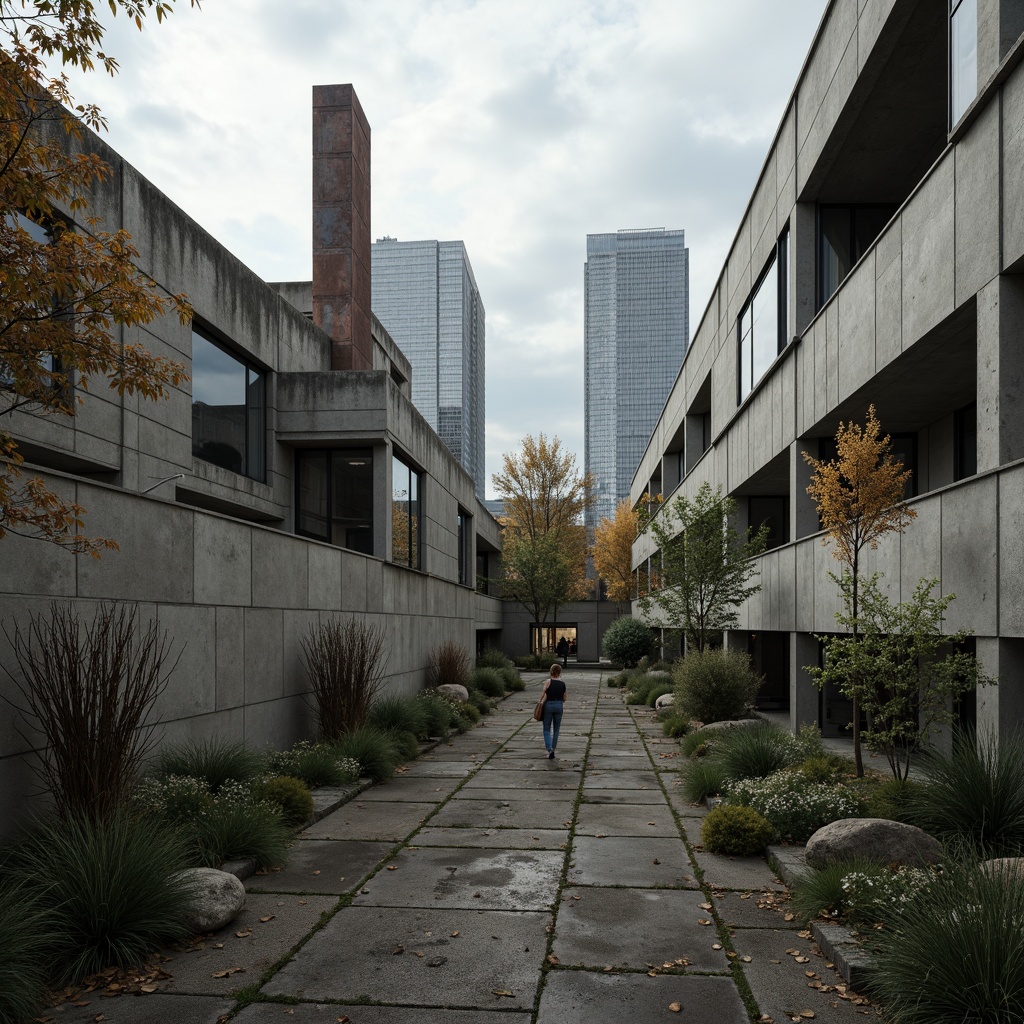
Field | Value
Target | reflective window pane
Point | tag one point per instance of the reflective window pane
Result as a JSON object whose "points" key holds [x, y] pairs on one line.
{"points": [[311, 514], [352, 499], [218, 406], [963, 58], [405, 514]]}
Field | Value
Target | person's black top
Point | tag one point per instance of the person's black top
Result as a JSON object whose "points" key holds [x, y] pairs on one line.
{"points": [[556, 689]]}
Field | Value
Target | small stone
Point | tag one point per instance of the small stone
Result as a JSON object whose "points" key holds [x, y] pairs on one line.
{"points": [[217, 898]]}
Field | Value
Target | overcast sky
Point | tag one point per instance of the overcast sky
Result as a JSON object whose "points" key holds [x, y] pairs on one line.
{"points": [[518, 126]]}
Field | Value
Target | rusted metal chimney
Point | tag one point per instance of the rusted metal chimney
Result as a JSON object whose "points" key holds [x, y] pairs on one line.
{"points": [[341, 225]]}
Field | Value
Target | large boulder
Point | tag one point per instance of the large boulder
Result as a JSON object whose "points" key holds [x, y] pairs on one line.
{"points": [[875, 839], [734, 723], [454, 691], [217, 898], [664, 702]]}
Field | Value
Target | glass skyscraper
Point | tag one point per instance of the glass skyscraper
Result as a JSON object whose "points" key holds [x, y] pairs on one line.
{"points": [[425, 295], [636, 329]]}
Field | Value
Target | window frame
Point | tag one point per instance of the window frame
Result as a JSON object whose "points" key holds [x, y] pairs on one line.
{"points": [[330, 455], [779, 263], [955, 112], [414, 535]]}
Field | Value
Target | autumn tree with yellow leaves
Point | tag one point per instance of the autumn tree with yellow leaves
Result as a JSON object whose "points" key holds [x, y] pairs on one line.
{"points": [[859, 495], [66, 285], [544, 551], [613, 552]]}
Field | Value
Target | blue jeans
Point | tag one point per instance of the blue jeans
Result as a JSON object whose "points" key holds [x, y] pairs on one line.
{"points": [[552, 723]]}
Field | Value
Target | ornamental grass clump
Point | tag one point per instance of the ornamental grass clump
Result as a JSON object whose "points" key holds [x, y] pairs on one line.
{"points": [[440, 714], [488, 681], [215, 761], [375, 751], [701, 779], [512, 679], [316, 764], [656, 691], [754, 752], [797, 808], [715, 686], [955, 952], [675, 726], [448, 663], [402, 714], [26, 950], [735, 831]]}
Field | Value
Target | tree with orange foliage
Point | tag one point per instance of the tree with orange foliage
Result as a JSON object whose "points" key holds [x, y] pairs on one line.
{"points": [[65, 284], [613, 552], [859, 496]]}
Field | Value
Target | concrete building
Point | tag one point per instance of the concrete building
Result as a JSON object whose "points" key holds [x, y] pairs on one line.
{"points": [[879, 260], [425, 295], [290, 481], [636, 326]]}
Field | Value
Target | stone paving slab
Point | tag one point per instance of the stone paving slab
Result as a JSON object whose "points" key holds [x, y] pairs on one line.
{"points": [[322, 866], [329, 1013], [780, 984], [467, 878], [683, 806], [635, 928], [412, 790], [156, 1008], [623, 796], [512, 813], [566, 796], [618, 762], [737, 872], [440, 769], [621, 780], [495, 838], [755, 909], [629, 861], [246, 957], [626, 820], [373, 820], [545, 775], [580, 997], [354, 956]]}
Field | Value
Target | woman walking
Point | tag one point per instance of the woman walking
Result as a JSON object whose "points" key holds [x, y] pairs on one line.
{"points": [[554, 702]]}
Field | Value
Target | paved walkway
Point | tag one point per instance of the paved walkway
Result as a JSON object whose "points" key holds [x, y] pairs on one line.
{"points": [[489, 885]]}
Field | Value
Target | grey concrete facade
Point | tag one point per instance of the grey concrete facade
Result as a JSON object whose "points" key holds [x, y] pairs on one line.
{"points": [[212, 554], [924, 320]]}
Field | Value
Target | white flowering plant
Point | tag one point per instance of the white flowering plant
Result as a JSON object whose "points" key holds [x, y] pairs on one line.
{"points": [[871, 896], [796, 807]]}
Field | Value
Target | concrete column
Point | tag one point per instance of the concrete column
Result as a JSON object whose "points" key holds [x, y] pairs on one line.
{"points": [[341, 225], [1000, 372], [804, 695], [803, 513], [1001, 707], [381, 500], [803, 241]]}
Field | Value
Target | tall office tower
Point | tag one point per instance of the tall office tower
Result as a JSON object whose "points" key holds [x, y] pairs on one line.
{"points": [[425, 295], [636, 329]]}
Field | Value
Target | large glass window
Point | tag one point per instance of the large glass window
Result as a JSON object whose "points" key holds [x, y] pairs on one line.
{"points": [[763, 323], [465, 541], [963, 57], [334, 502], [845, 233], [228, 403], [772, 511], [405, 514]]}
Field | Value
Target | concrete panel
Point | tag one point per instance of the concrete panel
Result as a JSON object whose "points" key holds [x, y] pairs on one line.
{"points": [[827, 596], [30, 566], [191, 687], [230, 654], [889, 295], [928, 246], [353, 591], [856, 316], [977, 204], [1011, 552], [921, 546], [1013, 168], [278, 724], [869, 26], [831, 379], [280, 577], [325, 577], [970, 557], [296, 628], [264, 644], [223, 560]]}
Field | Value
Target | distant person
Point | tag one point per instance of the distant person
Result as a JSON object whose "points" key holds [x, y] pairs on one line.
{"points": [[554, 703], [572, 648], [562, 650]]}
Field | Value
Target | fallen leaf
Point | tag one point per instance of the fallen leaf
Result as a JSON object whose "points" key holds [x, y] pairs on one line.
{"points": [[268, 917], [704, 906], [302, 903], [147, 988], [454, 934], [789, 916], [717, 945], [244, 933], [503, 992], [607, 968], [551, 958], [398, 951], [419, 953], [703, 921], [655, 861], [810, 974], [807, 1014], [675, 1007], [391, 867]]}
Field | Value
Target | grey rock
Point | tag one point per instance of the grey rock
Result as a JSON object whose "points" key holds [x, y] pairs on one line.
{"points": [[1009, 868], [877, 839], [735, 723], [217, 898], [665, 701], [455, 691]]}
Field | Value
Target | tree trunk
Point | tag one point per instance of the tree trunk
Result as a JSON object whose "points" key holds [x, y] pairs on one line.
{"points": [[858, 757]]}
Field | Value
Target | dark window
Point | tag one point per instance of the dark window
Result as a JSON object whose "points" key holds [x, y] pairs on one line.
{"points": [[334, 500], [482, 570], [405, 514], [904, 450], [763, 323], [963, 57], [773, 510], [965, 440], [465, 540], [228, 403], [845, 233]]}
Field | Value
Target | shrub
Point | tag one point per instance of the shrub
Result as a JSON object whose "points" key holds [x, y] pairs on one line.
{"points": [[292, 796], [237, 827], [637, 697], [820, 894], [374, 750], [755, 752], [955, 953], [478, 700], [491, 657], [110, 889], [696, 744], [821, 769], [655, 692], [448, 663], [469, 714], [406, 743], [974, 795], [214, 761], [512, 679], [797, 808], [701, 779], [735, 831], [89, 689], [178, 799], [533, 662], [675, 725], [626, 641], [26, 948], [346, 663], [316, 764], [653, 679], [488, 681], [809, 742], [441, 714], [661, 666], [715, 685], [892, 799], [405, 714]]}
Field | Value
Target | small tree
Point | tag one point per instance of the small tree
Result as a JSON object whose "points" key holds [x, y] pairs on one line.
{"points": [[705, 565], [626, 641], [903, 672], [859, 496], [613, 552]]}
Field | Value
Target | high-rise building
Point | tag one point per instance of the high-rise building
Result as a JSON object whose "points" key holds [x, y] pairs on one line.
{"points": [[425, 295], [636, 328]]}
